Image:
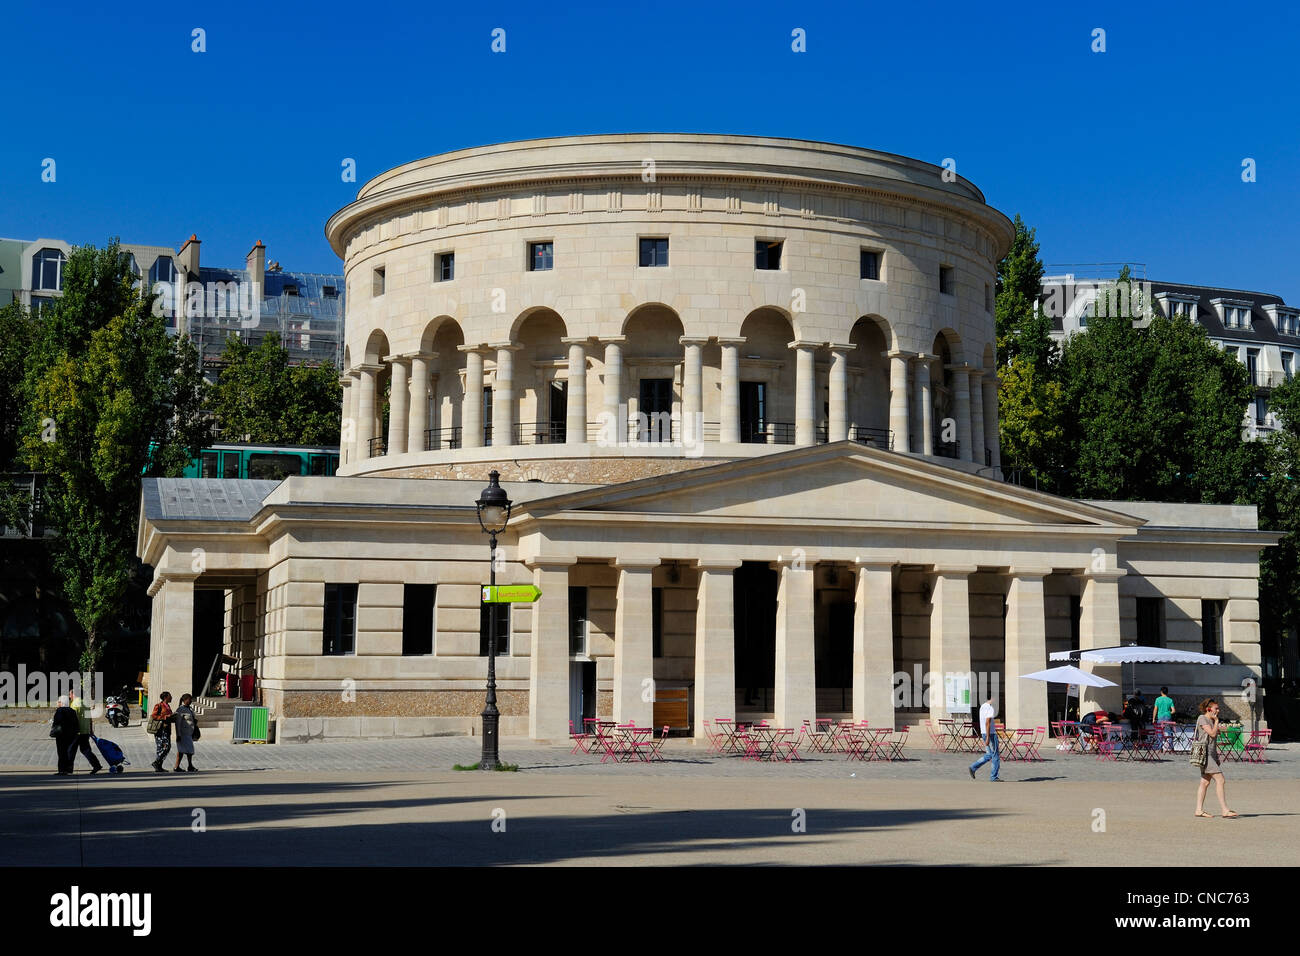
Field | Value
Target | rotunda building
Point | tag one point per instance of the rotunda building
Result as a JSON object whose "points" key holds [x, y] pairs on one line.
{"points": [[741, 394]]}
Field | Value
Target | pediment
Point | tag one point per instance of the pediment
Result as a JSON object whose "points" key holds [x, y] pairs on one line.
{"points": [[836, 483]]}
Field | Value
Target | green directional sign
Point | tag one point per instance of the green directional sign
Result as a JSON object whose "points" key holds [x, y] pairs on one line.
{"points": [[511, 593]]}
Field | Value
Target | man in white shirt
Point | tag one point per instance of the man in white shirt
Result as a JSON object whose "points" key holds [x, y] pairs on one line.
{"points": [[988, 711]]}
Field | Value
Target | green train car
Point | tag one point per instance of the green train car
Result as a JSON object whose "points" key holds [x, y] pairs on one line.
{"points": [[263, 461]]}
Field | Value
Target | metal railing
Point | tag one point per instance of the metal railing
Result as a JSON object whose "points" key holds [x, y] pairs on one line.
{"points": [[1267, 379], [767, 433], [375, 448], [436, 439], [947, 449], [540, 433], [876, 437]]}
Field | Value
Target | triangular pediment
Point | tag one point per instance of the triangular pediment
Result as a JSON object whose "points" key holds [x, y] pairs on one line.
{"points": [[835, 483]]}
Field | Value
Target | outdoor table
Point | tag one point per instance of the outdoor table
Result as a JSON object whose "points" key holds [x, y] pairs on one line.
{"points": [[633, 740], [1231, 744], [866, 743], [732, 734], [763, 741]]}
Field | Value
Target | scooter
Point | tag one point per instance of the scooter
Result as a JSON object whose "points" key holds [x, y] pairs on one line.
{"points": [[116, 709]]}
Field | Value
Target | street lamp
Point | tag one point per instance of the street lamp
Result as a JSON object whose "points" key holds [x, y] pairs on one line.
{"points": [[493, 513]]}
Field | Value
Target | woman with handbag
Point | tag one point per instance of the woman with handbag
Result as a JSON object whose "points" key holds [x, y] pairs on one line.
{"points": [[187, 731], [64, 728], [160, 725], [1205, 756]]}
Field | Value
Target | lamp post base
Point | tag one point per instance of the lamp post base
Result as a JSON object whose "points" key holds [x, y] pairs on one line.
{"points": [[491, 754]]}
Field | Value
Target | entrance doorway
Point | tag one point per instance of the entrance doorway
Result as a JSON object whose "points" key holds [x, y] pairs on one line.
{"points": [[753, 412], [656, 404], [582, 693], [754, 609], [559, 405]]}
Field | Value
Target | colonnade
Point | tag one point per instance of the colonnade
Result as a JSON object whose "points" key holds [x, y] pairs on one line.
{"points": [[911, 417]]}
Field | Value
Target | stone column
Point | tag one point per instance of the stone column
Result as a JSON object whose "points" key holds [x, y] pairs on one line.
{"points": [[172, 668], [898, 418], [1099, 627], [349, 436], [976, 416], [924, 407], [575, 421], [873, 645], [419, 420], [837, 426], [471, 409], [347, 420], [729, 431], [715, 644], [961, 411], [796, 676], [503, 395], [949, 634], [612, 403], [1026, 648], [399, 405], [366, 409], [634, 645], [548, 658], [991, 433], [692, 388], [805, 393]]}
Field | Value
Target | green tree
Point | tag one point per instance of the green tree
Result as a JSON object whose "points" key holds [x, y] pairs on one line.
{"points": [[1032, 408], [106, 384], [1277, 495], [17, 330], [1022, 328], [261, 398]]}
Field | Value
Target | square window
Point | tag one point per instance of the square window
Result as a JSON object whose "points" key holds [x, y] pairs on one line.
{"points": [[444, 267], [767, 254], [946, 280], [541, 256], [869, 264], [377, 286], [329, 292], [654, 253]]}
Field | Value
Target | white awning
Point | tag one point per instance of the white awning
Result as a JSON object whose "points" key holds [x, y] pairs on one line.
{"points": [[1136, 655]]}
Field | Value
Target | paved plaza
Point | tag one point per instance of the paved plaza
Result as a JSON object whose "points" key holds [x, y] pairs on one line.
{"points": [[392, 802]]}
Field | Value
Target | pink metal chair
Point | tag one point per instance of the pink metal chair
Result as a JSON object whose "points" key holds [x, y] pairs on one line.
{"points": [[651, 749], [582, 743], [1256, 749], [716, 738], [818, 740]]}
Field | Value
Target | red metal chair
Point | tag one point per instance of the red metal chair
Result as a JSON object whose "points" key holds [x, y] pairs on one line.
{"points": [[786, 746], [581, 742], [651, 749], [716, 738]]}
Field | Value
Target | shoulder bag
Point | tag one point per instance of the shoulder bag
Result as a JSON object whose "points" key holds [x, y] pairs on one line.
{"points": [[1200, 754]]}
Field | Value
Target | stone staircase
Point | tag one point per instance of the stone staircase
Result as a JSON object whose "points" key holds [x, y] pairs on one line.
{"points": [[216, 717]]}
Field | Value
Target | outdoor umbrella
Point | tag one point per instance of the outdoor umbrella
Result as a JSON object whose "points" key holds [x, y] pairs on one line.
{"points": [[1136, 654], [1068, 675]]}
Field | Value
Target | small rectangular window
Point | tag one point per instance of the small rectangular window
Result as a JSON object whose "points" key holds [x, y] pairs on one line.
{"points": [[578, 622], [1150, 622], [654, 252], [946, 282], [291, 290], [869, 264], [377, 287], [418, 601], [541, 256], [1211, 627], [988, 298], [445, 269], [503, 629], [208, 464], [657, 621], [329, 292], [230, 464], [340, 619], [767, 254]]}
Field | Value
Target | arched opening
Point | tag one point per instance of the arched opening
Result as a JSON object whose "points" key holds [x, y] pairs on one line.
{"points": [[767, 378], [869, 382], [375, 427], [942, 398], [652, 372], [446, 393], [540, 378]]}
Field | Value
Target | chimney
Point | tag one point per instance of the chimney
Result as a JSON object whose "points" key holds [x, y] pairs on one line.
{"points": [[256, 263], [187, 260]]}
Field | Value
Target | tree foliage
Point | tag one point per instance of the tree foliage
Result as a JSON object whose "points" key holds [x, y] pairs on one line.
{"points": [[261, 398], [109, 397]]}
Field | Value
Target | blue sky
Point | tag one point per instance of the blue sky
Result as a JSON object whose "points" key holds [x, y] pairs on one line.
{"points": [[1133, 154]]}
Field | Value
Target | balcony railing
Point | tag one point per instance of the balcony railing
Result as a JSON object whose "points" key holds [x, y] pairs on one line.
{"points": [[1270, 379], [947, 449], [376, 448], [438, 439], [876, 437], [540, 433], [767, 433]]}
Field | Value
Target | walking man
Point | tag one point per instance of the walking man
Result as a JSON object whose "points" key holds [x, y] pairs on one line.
{"points": [[84, 729], [988, 711]]}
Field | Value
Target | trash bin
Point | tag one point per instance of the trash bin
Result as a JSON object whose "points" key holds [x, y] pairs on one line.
{"points": [[246, 686]]}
